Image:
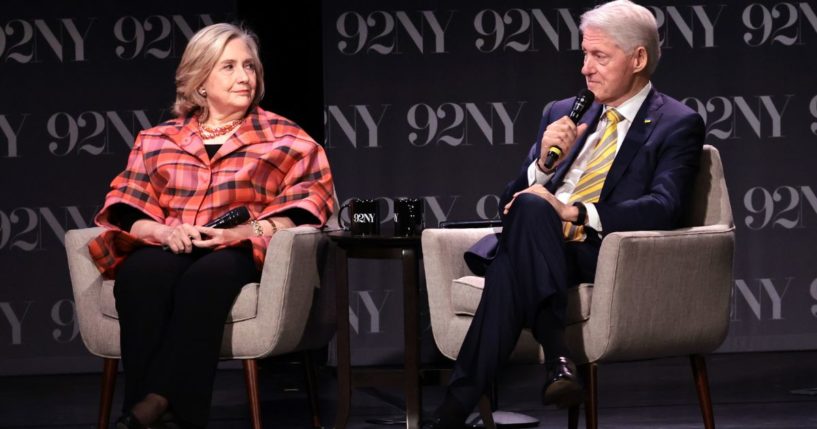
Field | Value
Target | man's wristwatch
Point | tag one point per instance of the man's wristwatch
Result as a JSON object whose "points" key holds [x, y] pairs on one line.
{"points": [[582, 218]]}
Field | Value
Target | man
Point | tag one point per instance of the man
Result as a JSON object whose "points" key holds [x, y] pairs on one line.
{"points": [[628, 165]]}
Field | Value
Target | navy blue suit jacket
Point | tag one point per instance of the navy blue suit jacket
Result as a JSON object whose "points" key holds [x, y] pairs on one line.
{"points": [[650, 180]]}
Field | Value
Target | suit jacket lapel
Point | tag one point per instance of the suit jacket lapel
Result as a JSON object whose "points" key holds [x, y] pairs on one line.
{"points": [[638, 134], [591, 118]]}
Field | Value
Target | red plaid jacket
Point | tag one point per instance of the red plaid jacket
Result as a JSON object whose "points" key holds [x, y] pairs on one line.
{"points": [[269, 165]]}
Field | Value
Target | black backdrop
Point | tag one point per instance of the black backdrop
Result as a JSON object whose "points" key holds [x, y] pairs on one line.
{"points": [[413, 98]]}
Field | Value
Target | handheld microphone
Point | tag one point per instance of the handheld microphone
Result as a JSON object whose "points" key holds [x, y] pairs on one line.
{"points": [[232, 218], [580, 105]]}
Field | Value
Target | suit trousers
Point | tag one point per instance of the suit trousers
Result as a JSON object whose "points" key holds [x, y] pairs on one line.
{"points": [[525, 284], [172, 309]]}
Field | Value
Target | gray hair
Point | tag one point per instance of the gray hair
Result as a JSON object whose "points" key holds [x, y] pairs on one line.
{"points": [[629, 24], [199, 59]]}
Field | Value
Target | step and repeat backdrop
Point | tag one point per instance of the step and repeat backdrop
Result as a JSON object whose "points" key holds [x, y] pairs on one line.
{"points": [[78, 80], [442, 99], [437, 100]]}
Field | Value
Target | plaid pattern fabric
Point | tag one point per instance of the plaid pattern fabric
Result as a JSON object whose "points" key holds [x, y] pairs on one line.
{"points": [[269, 165]]}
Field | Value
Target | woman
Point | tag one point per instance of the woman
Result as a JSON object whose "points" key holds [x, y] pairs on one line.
{"points": [[176, 279]]}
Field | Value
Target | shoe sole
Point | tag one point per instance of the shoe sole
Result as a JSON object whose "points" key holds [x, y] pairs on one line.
{"points": [[563, 394]]}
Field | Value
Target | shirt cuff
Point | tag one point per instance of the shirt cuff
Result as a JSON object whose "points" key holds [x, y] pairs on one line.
{"points": [[593, 220], [537, 176]]}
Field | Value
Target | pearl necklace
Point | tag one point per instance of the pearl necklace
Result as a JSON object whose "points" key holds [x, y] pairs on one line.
{"points": [[213, 132]]}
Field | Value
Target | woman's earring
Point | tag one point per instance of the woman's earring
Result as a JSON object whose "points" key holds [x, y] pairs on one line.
{"points": [[203, 92]]}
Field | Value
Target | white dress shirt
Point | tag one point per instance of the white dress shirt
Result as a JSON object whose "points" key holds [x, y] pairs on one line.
{"points": [[628, 110]]}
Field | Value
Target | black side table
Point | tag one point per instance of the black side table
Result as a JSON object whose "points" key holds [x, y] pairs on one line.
{"points": [[379, 247]]}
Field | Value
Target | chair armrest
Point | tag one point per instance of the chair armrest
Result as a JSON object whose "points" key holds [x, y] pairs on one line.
{"points": [[661, 293], [443, 261], [86, 283], [84, 274], [295, 297]]}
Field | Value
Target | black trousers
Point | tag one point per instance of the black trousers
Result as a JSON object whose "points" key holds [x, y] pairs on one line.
{"points": [[525, 287], [172, 310]]}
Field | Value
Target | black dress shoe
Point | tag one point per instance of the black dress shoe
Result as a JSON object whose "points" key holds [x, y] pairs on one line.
{"points": [[562, 387], [451, 414], [129, 421]]}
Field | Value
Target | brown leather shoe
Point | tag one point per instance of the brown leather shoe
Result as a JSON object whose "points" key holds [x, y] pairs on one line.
{"points": [[562, 387]]}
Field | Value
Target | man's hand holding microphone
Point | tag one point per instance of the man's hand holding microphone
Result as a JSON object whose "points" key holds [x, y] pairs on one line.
{"points": [[557, 140]]}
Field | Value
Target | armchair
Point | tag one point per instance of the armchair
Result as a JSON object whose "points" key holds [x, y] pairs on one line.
{"points": [[656, 293], [290, 309]]}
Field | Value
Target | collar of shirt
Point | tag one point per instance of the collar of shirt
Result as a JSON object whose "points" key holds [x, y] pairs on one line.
{"points": [[628, 110]]}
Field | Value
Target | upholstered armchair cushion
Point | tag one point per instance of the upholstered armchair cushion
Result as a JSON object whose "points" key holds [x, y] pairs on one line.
{"points": [[467, 291], [245, 306], [282, 313], [656, 293], [453, 291]]}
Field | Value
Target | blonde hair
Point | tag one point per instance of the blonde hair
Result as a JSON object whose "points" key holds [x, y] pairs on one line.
{"points": [[199, 59], [629, 24]]}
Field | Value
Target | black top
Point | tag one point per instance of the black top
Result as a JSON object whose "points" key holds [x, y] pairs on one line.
{"points": [[212, 149]]}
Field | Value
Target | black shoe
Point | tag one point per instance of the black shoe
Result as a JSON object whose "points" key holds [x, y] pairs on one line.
{"points": [[451, 414], [562, 387], [129, 421]]}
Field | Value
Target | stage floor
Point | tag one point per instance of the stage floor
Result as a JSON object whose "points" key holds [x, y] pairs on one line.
{"points": [[749, 390]]}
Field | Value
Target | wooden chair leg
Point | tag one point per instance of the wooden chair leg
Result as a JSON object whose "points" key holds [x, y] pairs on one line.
{"points": [[702, 383], [591, 398], [109, 372], [251, 378], [573, 417], [486, 412], [312, 388]]}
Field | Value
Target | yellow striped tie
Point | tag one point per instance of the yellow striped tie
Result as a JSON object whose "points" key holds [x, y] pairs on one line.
{"points": [[588, 190]]}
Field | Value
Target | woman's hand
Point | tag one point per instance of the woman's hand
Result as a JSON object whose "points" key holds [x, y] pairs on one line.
{"points": [[182, 238], [178, 239], [213, 237]]}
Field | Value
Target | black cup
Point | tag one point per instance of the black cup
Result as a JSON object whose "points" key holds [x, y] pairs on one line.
{"points": [[364, 217], [408, 216]]}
